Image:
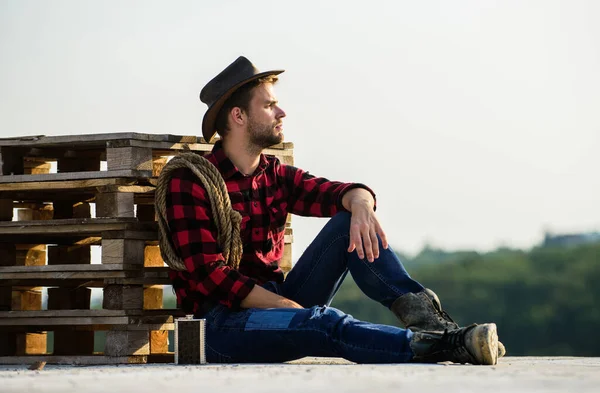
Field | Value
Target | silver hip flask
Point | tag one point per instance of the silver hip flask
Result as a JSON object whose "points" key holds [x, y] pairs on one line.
{"points": [[190, 341]]}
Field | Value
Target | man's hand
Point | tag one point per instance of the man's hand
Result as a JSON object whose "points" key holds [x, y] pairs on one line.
{"points": [[364, 225]]}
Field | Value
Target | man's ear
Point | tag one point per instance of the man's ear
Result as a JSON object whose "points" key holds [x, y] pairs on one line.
{"points": [[238, 116]]}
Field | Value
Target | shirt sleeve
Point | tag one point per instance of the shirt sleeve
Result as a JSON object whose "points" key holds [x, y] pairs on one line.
{"points": [[194, 236], [315, 196]]}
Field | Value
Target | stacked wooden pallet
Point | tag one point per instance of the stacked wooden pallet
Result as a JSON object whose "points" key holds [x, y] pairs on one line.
{"points": [[101, 194]]}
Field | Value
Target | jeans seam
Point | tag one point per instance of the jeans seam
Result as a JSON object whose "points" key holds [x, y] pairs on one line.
{"points": [[390, 287], [317, 263]]}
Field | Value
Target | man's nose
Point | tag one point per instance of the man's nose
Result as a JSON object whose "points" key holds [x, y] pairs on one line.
{"points": [[280, 113]]}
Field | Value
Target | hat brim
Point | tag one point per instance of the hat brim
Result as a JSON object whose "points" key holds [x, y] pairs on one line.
{"points": [[208, 121]]}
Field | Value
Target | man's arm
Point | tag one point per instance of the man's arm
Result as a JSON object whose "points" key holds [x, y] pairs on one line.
{"points": [[320, 197], [364, 225], [261, 298], [308, 195]]}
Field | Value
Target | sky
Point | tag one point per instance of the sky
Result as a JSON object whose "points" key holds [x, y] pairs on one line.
{"points": [[475, 122]]}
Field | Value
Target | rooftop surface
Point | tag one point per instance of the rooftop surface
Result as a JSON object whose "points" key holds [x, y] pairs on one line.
{"points": [[512, 374]]}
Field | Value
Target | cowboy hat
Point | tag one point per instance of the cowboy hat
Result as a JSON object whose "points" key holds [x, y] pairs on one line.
{"points": [[222, 86]]}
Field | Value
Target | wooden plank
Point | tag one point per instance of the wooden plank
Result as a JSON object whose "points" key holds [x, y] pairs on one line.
{"points": [[30, 255], [66, 321], [159, 341], [92, 139], [80, 227], [112, 139], [70, 176], [83, 278], [123, 297], [158, 163], [35, 166], [84, 319], [75, 360], [124, 275], [44, 314], [75, 269], [127, 342], [146, 280], [123, 251], [26, 299], [147, 235], [123, 222], [129, 158], [45, 213], [152, 256], [90, 328], [170, 148], [86, 184], [31, 343], [153, 297], [286, 260], [133, 188], [114, 204], [53, 154]]}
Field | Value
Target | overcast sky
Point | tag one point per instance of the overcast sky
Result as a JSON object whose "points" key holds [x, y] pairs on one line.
{"points": [[476, 122]]}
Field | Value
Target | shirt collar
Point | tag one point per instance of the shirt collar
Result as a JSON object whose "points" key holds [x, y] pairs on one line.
{"points": [[226, 166]]}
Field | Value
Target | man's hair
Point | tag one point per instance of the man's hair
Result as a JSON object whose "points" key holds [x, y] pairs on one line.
{"points": [[241, 99]]}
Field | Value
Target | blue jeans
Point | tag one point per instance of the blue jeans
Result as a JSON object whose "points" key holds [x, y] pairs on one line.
{"points": [[278, 335]]}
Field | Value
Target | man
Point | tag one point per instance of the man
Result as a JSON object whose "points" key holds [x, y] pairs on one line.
{"points": [[252, 313]]}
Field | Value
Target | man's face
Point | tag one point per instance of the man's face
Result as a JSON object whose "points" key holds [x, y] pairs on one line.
{"points": [[265, 117]]}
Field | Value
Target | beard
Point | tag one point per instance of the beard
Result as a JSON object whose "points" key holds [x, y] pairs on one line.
{"points": [[263, 135]]}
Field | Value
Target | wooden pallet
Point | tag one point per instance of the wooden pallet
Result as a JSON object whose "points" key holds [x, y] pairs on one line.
{"points": [[88, 360], [48, 225]]}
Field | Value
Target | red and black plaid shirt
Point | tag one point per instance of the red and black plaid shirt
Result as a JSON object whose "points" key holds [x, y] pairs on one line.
{"points": [[264, 200]]}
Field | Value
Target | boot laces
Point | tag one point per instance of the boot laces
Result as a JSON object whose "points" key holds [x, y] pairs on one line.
{"points": [[452, 339]]}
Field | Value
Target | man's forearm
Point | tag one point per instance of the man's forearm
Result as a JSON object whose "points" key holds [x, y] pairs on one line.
{"points": [[357, 195], [261, 298]]}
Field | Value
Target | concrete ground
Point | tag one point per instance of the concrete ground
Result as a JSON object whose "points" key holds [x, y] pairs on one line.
{"points": [[512, 374]]}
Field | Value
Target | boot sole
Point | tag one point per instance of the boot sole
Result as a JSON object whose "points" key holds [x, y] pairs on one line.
{"points": [[484, 344]]}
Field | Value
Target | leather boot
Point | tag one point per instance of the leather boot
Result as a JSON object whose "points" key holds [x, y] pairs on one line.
{"points": [[474, 344], [422, 311]]}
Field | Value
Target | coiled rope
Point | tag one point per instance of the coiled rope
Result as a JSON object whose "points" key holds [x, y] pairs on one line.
{"points": [[226, 219]]}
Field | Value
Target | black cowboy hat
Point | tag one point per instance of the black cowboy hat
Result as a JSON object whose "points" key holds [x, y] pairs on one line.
{"points": [[222, 86]]}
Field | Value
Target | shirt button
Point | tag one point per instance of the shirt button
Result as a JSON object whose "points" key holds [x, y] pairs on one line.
{"points": [[255, 204]]}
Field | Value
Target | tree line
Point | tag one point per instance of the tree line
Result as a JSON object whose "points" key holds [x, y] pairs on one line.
{"points": [[545, 301]]}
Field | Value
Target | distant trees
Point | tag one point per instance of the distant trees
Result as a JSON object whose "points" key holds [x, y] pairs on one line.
{"points": [[545, 301]]}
